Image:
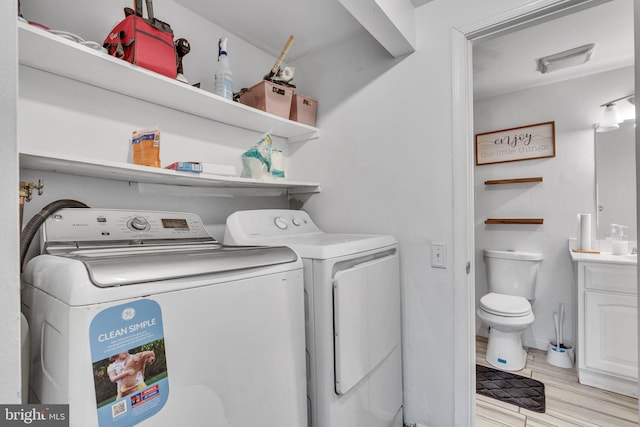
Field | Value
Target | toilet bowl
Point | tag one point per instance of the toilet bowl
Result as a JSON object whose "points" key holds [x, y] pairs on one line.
{"points": [[506, 309], [507, 317]]}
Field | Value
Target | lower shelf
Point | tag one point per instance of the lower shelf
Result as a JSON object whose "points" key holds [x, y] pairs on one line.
{"points": [[149, 175]]}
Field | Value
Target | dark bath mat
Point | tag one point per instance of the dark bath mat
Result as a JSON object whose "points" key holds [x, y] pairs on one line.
{"points": [[507, 387]]}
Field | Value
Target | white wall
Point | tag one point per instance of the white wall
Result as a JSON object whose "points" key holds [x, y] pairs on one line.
{"points": [[636, 23], [385, 164], [568, 187], [9, 279]]}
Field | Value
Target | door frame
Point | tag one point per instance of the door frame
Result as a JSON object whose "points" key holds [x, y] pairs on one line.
{"points": [[463, 147]]}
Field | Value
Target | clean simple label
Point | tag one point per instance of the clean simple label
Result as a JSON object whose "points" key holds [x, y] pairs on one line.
{"points": [[34, 415], [129, 363]]}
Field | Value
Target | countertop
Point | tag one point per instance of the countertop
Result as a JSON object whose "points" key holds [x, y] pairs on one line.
{"points": [[605, 254]]}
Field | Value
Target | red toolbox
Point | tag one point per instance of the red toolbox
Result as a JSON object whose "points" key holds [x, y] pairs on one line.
{"points": [[146, 42]]}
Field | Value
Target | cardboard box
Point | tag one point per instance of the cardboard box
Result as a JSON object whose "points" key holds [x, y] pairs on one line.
{"points": [[303, 109], [269, 97], [185, 167]]}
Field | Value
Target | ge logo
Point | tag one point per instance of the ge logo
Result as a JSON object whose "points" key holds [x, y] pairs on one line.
{"points": [[128, 313]]}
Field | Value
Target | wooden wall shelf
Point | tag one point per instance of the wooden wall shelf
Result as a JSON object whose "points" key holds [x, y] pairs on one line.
{"points": [[514, 221], [513, 180]]}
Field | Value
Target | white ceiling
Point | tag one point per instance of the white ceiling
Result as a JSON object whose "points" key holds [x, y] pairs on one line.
{"points": [[316, 24], [508, 63], [501, 65]]}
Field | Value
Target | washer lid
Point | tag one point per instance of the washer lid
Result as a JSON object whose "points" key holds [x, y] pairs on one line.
{"points": [[505, 305], [124, 266]]}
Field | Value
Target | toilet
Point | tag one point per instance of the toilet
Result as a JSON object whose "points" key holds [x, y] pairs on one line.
{"points": [[506, 309]]}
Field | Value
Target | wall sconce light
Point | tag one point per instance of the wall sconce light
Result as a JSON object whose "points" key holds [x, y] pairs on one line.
{"points": [[611, 117], [568, 58]]}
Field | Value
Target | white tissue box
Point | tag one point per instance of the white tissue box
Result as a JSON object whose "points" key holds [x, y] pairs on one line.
{"points": [[218, 169]]}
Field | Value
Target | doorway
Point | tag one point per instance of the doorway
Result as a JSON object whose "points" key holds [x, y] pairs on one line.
{"points": [[464, 166]]}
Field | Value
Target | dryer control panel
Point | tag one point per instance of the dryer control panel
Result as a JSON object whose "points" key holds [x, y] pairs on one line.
{"points": [[95, 225], [253, 224]]}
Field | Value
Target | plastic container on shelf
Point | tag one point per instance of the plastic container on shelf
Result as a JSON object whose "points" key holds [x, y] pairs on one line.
{"points": [[303, 109], [270, 97], [224, 75]]}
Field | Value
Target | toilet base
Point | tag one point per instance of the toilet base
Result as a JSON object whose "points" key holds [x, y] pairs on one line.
{"points": [[505, 351]]}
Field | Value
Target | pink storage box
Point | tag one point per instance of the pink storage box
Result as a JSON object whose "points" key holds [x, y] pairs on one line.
{"points": [[269, 97], [303, 109]]}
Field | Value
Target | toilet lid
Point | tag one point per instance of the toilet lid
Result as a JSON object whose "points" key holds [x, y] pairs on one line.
{"points": [[505, 305]]}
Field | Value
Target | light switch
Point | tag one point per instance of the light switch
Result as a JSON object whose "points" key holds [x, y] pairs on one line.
{"points": [[438, 255]]}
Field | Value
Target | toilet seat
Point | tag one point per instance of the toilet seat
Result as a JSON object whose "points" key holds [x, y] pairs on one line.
{"points": [[505, 305]]}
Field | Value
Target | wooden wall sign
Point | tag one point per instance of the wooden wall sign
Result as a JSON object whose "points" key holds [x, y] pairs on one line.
{"points": [[522, 143]]}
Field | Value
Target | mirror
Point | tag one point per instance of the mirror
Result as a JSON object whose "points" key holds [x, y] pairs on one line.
{"points": [[615, 164]]}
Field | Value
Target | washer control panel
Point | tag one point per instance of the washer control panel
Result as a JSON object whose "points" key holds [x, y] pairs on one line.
{"points": [[84, 225]]}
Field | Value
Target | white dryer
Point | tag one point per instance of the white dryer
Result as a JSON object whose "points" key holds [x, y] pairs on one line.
{"points": [[216, 331], [352, 291]]}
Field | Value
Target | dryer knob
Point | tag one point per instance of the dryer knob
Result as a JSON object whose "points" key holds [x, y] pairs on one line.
{"points": [[296, 222], [139, 224], [281, 223]]}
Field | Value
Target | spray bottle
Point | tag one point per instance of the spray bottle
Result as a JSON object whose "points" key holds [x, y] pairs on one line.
{"points": [[224, 76]]}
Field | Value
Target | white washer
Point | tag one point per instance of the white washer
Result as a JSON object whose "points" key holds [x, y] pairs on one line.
{"points": [[225, 325], [352, 287]]}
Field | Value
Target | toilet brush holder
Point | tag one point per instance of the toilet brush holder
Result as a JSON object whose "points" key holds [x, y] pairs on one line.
{"points": [[561, 356]]}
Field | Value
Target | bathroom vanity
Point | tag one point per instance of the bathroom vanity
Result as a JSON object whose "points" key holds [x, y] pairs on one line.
{"points": [[607, 321]]}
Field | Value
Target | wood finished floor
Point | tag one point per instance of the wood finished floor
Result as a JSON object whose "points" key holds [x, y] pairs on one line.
{"points": [[568, 403]]}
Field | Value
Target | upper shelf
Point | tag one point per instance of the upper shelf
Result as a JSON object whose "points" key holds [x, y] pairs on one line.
{"points": [[40, 49]]}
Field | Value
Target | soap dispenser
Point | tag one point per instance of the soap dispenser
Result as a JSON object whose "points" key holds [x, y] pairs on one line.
{"points": [[619, 246]]}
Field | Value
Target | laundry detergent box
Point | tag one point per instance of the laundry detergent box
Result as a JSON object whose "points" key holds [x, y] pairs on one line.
{"points": [[186, 167], [145, 145]]}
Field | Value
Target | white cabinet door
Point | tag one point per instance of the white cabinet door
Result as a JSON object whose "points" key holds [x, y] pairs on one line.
{"points": [[611, 334]]}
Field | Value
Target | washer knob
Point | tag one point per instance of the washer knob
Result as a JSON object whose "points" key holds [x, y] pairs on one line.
{"points": [[281, 223], [139, 224], [296, 222]]}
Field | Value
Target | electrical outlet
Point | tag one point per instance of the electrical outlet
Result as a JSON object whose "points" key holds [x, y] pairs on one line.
{"points": [[438, 255]]}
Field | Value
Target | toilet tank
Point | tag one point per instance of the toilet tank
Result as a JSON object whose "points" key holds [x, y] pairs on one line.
{"points": [[512, 272]]}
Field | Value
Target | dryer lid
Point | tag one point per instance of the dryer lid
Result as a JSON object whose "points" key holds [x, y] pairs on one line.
{"points": [[284, 227], [505, 305]]}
